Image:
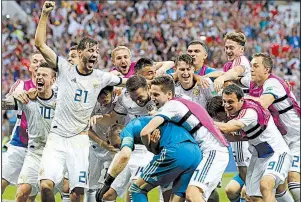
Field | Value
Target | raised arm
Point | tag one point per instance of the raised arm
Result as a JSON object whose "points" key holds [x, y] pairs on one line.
{"points": [[40, 38], [149, 128], [230, 75]]}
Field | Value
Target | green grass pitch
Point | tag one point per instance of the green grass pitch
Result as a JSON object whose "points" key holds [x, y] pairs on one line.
{"points": [[9, 194]]}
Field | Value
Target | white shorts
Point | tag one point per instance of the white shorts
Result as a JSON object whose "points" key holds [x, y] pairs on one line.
{"points": [[276, 166], [241, 153], [71, 153], [209, 172], [140, 158], [97, 167], [12, 162], [29, 171], [294, 147]]}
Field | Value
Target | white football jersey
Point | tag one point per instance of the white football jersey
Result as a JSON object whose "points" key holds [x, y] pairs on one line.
{"points": [[39, 114], [174, 111], [290, 119], [126, 106], [77, 97], [269, 138], [196, 93]]}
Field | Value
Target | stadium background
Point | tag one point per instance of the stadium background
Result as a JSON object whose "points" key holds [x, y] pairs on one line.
{"points": [[160, 30]]}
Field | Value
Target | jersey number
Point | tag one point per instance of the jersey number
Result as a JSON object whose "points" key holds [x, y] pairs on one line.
{"points": [[83, 177], [296, 161], [45, 112], [78, 95]]}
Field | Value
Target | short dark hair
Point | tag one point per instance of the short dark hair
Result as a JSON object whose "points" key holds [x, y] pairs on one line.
{"points": [[214, 106], [46, 65], [233, 88], [267, 60], [135, 82], [106, 90], [166, 83], [185, 58], [86, 41], [142, 63], [75, 47], [194, 42]]}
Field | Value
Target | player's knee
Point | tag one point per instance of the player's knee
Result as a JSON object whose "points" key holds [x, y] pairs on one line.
{"points": [[77, 191], [267, 184], [23, 192], [293, 177], [231, 192], [110, 195], [4, 184], [66, 186], [47, 187], [193, 194]]}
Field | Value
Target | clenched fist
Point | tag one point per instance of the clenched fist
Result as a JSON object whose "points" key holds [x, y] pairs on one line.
{"points": [[48, 6]]}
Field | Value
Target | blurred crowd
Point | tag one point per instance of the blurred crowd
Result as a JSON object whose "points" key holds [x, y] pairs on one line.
{"points": [[157, 29]]}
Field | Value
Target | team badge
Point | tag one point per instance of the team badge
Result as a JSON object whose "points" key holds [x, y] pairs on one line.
{"points": [[196, 91], [150, 107], [95, 84]]}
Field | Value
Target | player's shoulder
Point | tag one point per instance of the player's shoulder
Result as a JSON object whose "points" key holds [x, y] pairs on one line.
{"points": [[61, 61], [272, 82]]}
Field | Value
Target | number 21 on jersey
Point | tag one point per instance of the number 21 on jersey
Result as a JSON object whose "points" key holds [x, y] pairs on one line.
{"points": [[81, 95]]}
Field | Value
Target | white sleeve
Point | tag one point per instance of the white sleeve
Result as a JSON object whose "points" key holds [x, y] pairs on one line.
{"points": [[242, 61], [248, 117], [169, 110], [63, 66], [274, 87], [16, 87], [109, 79], [119, 107], [207, 92]]}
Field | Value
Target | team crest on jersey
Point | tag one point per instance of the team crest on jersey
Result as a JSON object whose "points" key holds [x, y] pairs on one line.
{"points": [[95, 84], [150, 107], [196, 91]]}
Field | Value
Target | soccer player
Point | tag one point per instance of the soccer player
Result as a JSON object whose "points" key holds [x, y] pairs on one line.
{"points": [[39, 113], [73, 56], [175, 145], [68, 141], [198, 50], [133, 102], [237, 70], [121, 59], [186, 85], [100, 152], [238, 67], [271, 159], [235, 190], [13, 158], [196, 120], [273, 93]]}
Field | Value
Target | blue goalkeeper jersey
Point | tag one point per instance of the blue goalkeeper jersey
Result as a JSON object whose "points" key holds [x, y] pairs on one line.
{"points": [[170, 133]]}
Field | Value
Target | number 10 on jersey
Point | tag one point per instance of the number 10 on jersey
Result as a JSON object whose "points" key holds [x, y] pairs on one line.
{"points": [[79, 95]]}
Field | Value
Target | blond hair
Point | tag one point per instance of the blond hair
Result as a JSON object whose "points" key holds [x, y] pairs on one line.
{"points": [[238, 37], [117, 49]]}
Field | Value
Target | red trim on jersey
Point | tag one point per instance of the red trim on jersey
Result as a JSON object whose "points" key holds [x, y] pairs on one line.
{"points": [[241, 114], [14, 86], [237, 61]]}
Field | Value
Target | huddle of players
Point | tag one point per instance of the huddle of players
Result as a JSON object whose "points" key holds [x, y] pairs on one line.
{"points": [[189, 162]]}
